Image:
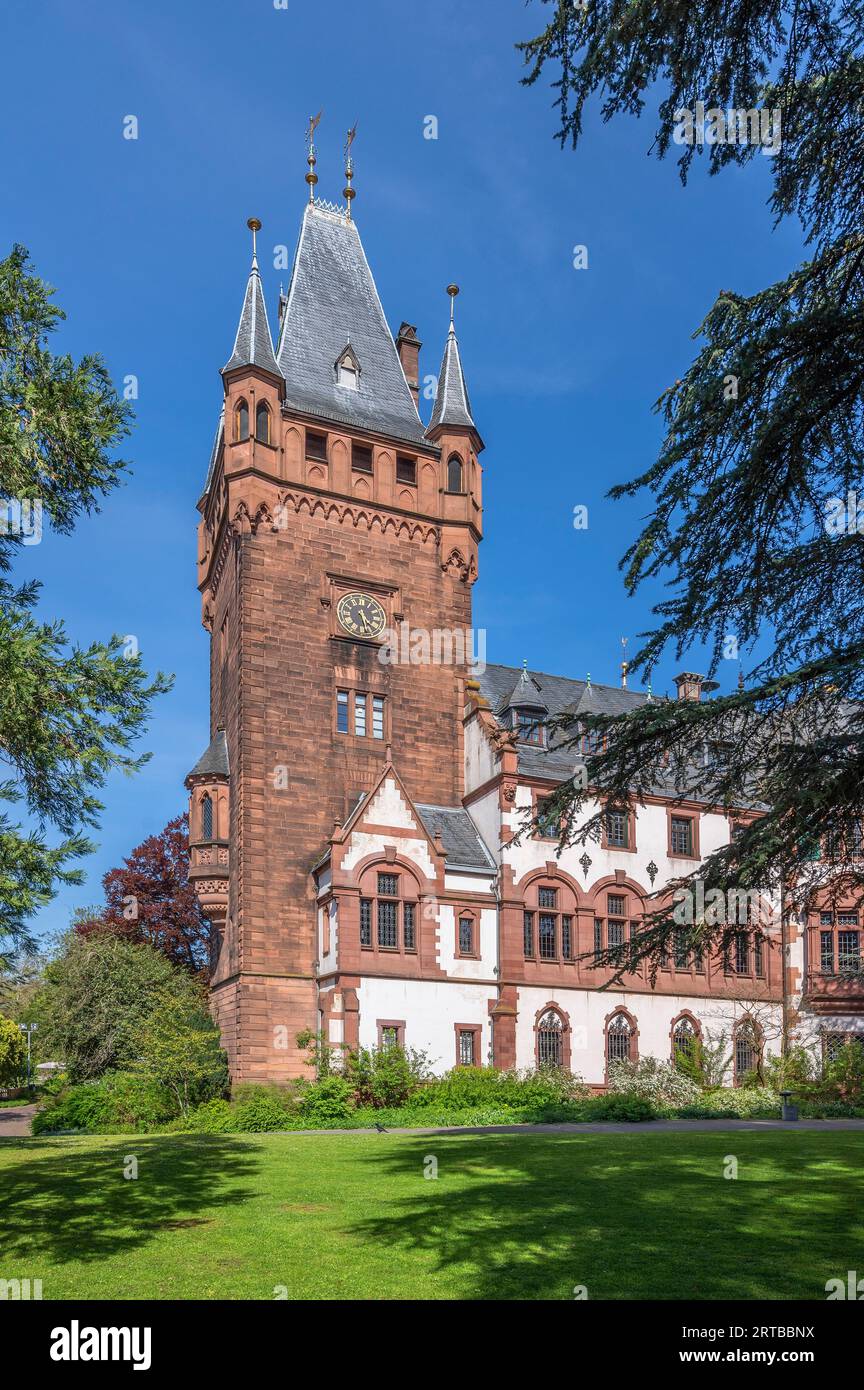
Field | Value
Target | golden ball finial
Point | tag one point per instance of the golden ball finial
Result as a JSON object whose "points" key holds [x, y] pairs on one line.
{"points": [[253, 224]]}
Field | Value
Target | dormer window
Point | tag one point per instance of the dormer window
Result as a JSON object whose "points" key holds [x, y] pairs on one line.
{"points": [[529, 726], [347, 369]]}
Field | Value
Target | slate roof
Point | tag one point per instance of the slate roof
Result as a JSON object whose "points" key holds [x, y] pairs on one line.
{"points": [[333, 302], [465, 849], [452, 406], [560, 695], [214, 760], [214, 452], [253, 345]]}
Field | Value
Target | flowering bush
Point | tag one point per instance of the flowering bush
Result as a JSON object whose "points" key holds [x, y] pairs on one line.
{"points": [[658, 1082]]}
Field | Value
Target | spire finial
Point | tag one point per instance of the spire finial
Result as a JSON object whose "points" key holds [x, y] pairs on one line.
{"points": [[349, 193], [524, 663], [588, 680], [452, 290], [624, 665], [312, 157], [254, 226]]}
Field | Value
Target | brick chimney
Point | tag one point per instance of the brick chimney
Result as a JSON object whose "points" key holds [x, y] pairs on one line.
{"points": [[408, 347], [692, 686]]}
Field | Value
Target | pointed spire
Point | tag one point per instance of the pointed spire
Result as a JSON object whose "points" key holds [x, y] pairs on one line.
{"points": [[348, 192], [253, 346], [452, 406], [312, 156]]}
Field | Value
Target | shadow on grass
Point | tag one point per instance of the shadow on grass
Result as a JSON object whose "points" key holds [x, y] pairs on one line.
{"points": [[72, 1203], [536, 1217]]}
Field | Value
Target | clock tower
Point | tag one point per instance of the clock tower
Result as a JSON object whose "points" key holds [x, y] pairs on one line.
{"points": [[332, 518]]}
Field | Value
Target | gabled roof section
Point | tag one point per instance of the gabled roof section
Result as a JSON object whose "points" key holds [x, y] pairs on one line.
{"points": [[214, 760], [452, 406], [459, 836], [253, 346], [526, 694], [332, 300]]}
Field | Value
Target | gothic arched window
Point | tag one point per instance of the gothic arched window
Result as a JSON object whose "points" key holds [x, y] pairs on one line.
{"points": [[206, 817], [748, 1050], [619, 1039], [241, 420], [550, 1040], [262, 422], [684, 1039], [454, 473]]}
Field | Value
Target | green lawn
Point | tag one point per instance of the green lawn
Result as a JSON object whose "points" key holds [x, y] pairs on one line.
{"points": [[636, 1215]]}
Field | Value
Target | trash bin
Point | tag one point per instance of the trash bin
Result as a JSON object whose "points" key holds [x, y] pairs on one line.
{"points": [[788, 1111]]}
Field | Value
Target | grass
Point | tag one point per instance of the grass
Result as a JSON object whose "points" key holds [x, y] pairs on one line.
{"points": [[637, 1215]]}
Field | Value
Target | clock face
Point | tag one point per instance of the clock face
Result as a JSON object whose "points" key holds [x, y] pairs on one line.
{"points": [[361, 615]]}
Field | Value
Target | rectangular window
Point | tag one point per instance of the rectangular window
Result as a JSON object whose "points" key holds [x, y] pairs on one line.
{"points": [[759, 957], [616, 905], [567, 938], [848, 950], [598, 936], [388, 885], [528, 935], [389, 1037], [546, 936], [377, 716], [466, 936], [617, 829], [365, 922], [406, 470], [682, 954], [681, 835], [360, 715], [530, 727], [548, 823], [361, 458], [826, 919], [466, 1047], [316, 446], [847, 919], [409, 933], [387, 932], [547, 897], [342, 711], [741, 955], [826, 952], [615, 933]]}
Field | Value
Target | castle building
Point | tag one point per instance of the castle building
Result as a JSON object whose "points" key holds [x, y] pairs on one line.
{"points": [[354, 821]]}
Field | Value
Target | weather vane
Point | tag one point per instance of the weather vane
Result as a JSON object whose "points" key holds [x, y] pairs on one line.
{"points": [[312, 158], [348, 193]]}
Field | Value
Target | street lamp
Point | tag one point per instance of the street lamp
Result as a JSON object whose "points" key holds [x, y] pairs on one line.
{"points": [[29, 1029]]}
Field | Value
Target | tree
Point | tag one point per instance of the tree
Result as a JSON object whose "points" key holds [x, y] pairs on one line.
{"points": [[13, 1052], [68, 716], [756, 528], [97, 996], [180, 1048], [151, 900]]}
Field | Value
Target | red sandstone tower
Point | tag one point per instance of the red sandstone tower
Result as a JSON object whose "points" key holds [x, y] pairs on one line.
{"points": [[329, 515]]}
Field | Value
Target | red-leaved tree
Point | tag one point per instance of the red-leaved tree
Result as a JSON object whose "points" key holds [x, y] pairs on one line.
{"points": [[151, 900]]}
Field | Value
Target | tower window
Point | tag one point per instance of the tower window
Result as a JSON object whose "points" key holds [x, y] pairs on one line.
{"points": [[241, 421], [361, 458], [353, 714], [316, 446], [406, 470], [454, 473], [206, 817], [262, 422]]}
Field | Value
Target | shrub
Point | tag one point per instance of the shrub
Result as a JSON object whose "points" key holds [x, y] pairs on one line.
{"points": [[213, 1117], [259, 1112], [119, 1102], [727, 1102], [385, 1076], [469, 1086], [329, 1100], [661, 1083], [180, 1046], [13, 1053]]}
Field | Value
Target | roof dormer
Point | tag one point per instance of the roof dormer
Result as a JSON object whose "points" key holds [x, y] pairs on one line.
{"points": [[348, 369]]}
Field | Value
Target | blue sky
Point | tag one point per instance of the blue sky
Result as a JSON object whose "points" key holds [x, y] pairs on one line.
{"points": [[147, 245]]}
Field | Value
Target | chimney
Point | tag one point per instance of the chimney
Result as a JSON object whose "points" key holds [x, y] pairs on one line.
{"points": [[408, 347], [691, 686]]}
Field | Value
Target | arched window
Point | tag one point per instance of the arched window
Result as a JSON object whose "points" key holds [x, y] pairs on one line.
{"points": [[748, 1050], [619, 1039], [206, 817], [550, 1040], [684, 1039], [241, 420], [262, 422], [389, 909], [549, 922], [454, 473]]}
